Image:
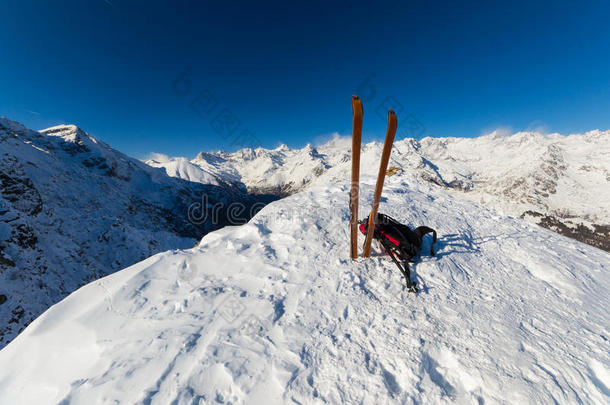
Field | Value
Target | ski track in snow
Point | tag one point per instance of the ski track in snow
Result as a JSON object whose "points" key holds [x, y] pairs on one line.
{"points": [[275, 312]]}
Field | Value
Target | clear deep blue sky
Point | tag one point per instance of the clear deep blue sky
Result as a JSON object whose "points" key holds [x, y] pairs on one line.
{"points": [[287, 70]]}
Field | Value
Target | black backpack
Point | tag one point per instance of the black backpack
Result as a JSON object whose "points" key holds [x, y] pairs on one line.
{"points": [[400, 242]]}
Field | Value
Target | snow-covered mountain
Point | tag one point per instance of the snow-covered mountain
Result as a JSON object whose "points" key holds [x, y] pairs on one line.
{"points": [[281, 171], [72, 210], [560, 182], [275, 312]]}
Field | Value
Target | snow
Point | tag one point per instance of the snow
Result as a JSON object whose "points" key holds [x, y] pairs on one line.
{"points": [[182, 168], [72, 210], [550, 173], [274, 311]]}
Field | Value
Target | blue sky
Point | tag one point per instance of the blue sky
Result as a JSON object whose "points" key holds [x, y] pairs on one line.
{"points": [[180, 77]]}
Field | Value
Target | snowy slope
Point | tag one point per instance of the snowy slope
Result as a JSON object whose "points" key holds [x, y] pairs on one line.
{"points": [[560, 182], [72, 210], [275, 312], [184, 169]]}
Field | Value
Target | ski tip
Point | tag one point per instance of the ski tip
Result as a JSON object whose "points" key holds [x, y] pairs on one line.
{"points": [[357, 107], [392, 121]]}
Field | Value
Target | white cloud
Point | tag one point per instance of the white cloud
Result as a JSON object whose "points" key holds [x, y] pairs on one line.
{"points": [[159, 157], [499, 131], [538, 126], [334, 137]]}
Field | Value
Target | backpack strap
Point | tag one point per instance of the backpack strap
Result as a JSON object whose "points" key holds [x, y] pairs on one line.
{"points": [[404, 268]]}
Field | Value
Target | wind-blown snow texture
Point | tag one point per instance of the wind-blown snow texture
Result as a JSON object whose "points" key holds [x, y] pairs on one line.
{"points": [[72, 210], [560, 182], [275, 312]]}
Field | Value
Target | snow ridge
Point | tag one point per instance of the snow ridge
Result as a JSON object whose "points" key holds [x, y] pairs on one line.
{"points": [[274, 311]]}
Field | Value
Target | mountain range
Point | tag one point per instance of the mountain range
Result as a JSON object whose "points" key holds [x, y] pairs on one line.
{"points": [[72, 210], [559, 182]]}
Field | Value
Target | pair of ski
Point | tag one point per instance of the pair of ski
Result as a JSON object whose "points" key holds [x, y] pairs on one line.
{"points": [[355, 188], [383, 166]]}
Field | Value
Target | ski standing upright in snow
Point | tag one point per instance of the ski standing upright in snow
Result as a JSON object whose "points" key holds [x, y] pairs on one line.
{"points": [[383, 166], [357, 112]]}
